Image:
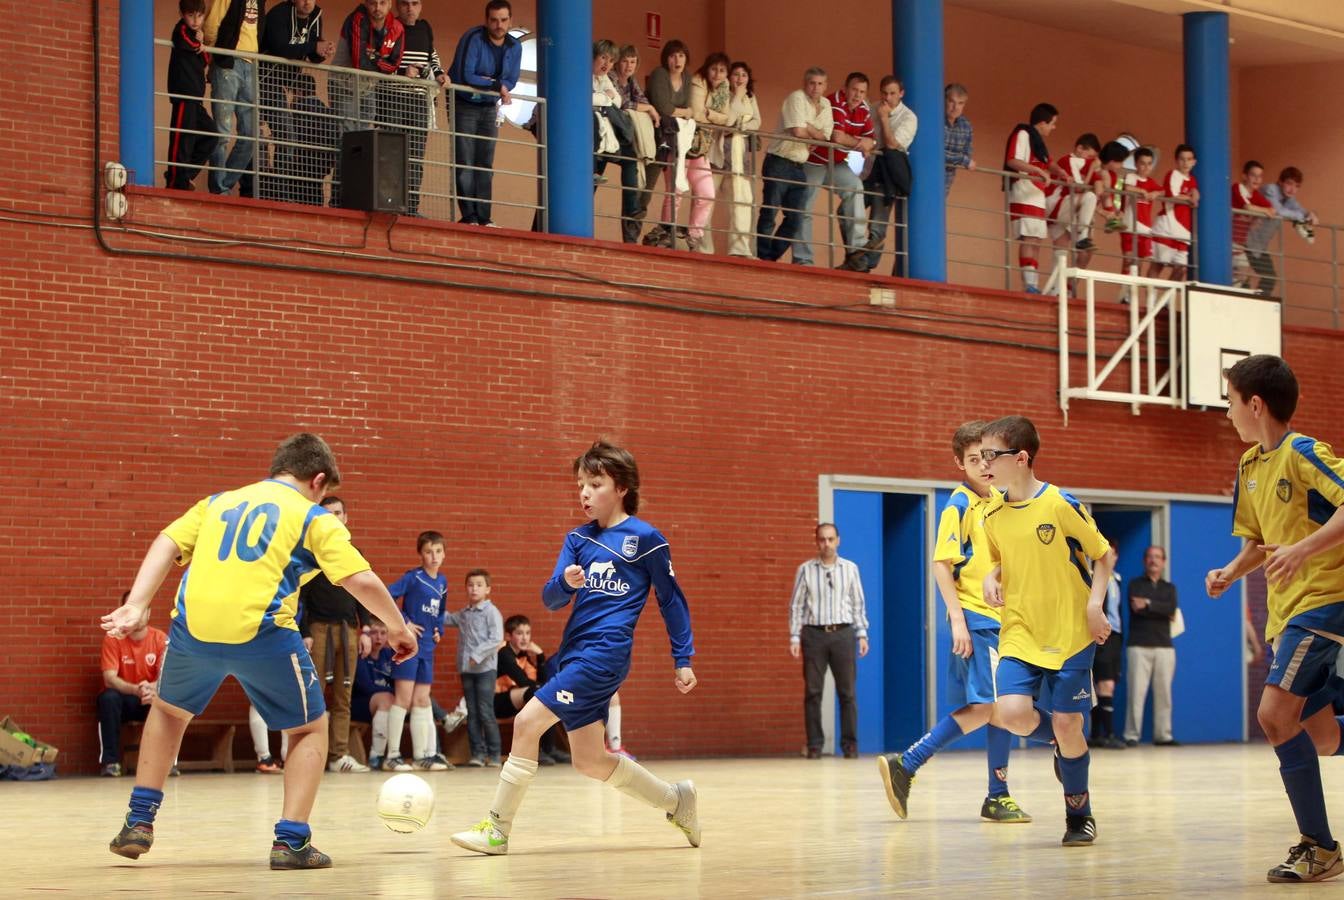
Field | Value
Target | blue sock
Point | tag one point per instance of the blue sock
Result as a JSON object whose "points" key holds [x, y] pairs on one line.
{"points": [[1073, 772], [1339, 751], [295, 834], [945, 732], [1301, 772], [1045, 732], [998, 743], [144, 805]]}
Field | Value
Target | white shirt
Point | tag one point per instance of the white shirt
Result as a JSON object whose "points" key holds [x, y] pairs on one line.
{"points": [[827, 595], [902, 123]]}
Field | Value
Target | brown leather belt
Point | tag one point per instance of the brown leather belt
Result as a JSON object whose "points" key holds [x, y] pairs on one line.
{"points": [[829, 628]]}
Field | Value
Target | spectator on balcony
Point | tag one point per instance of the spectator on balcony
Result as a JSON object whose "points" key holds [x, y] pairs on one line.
{"points": [[1171, 235], [192, 135], [744, 115], [670, 93], [829, 167], [711, 98], [233, 25], [1247, 204], [487, 62], [1072, 199], [413, 109], [1028, 157], [318, 136], [806, 114], [614, 137], [1282, 195], [292, 30], [889, 182], [634, 102], [372, 40], [957, 135]]}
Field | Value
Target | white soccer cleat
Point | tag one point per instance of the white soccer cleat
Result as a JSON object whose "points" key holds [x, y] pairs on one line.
{"points": [[483, 837], [346, 763], [684, 817]]}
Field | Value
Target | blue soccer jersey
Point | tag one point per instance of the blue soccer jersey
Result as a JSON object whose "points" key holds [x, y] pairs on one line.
{"points": [[422, 602]]}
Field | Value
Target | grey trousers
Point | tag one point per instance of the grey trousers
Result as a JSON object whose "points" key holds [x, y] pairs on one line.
{"points": [[1155, 666]]}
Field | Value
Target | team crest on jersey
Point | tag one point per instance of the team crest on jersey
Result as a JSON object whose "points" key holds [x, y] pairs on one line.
{"points": [[1045, 533], [630, 546], [150, 657], [1284, 490], [1250, 486]]}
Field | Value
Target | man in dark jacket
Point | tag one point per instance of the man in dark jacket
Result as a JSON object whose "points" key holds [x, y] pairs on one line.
{"points": [[292, 30], [1150, 656]]}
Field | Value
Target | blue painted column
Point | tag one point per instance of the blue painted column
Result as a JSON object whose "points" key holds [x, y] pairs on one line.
{"points": [[566, 75], [1208, 130], [917, 49], [137, 89]]}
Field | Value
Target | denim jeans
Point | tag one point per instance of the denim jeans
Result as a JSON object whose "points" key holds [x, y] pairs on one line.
{"points": [[784, 190], [482, 729], [845, 185], [477, 126], [880, 209], [233, 102]]}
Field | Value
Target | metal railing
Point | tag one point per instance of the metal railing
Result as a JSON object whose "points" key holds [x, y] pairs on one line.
{"points": [[288, 145]]}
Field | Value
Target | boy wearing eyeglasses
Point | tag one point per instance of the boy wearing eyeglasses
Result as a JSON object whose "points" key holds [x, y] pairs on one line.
{"points": [[1041, 541], [960, 563]]}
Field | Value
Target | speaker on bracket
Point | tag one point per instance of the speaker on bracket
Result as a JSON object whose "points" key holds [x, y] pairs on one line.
{"points": [[373, 171]]}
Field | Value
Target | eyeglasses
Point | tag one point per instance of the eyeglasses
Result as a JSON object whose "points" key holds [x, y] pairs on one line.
{"points": [[989, 456], [830, 584]]}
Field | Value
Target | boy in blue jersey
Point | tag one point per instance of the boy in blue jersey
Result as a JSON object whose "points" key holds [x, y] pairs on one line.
{"points": [[422, 592], [1040, 541], [234, 615], [371, 694], [960, 563], [606, 568], [1289, 493]]}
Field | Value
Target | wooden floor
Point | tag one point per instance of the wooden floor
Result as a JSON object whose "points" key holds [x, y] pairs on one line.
{"points": [[1209, 820]]}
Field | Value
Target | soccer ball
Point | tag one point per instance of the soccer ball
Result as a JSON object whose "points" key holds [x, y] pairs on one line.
{"points": [[405, 803]]}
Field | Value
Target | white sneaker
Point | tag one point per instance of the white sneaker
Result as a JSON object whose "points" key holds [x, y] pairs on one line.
{"points": [[431, 764], [346, 763], [483, 837], [396, 764], [684, 816], [452, 720]]}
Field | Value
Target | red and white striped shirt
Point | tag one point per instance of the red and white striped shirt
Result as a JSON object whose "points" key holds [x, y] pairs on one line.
{"points": [[1245, 198], [1139, 211], [856, 122], [1079, 169], [1026, 196], [1173, 224]]}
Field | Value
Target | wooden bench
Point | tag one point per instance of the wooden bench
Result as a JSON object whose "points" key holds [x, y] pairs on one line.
{"points": [[216, 734]]}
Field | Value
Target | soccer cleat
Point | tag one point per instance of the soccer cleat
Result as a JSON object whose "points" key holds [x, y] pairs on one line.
{"points": [[493, 762], [1029, 289], [483, 837], [267, 765], [111, 770], [284, 856], [1085, 244], [621, 751], [1079, 831], [476, 762], [375, 763], [174, 771], [544, 760], [1307, 861], [1004, 810], [431, 764], [684, 816], [345, 763], [896, 780], [396, 764], [133, 840]]}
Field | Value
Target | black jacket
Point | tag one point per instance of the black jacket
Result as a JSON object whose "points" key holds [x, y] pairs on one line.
{"points": [[232, 24]]}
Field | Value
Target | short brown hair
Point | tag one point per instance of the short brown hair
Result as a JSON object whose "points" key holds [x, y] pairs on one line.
{"points": [[967, 434], [1291, 173], [305, 456], [190, 6], [607, 459], [1269, 378], [428, 537], [1018, 433], [477, 573], [513, 623]]}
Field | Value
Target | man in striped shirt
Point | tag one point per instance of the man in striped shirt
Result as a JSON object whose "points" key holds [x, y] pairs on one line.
{"points": [[826, 621], [829, 167], [413, 108]]}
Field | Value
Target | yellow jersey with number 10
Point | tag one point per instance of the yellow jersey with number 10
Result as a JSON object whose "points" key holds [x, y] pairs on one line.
{"points": [[247, 552], [961, 542]]}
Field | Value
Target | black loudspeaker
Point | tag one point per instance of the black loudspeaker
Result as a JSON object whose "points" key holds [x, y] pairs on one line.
{"points": [[373, 171]]}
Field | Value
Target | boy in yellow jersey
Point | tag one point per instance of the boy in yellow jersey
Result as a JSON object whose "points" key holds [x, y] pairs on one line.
{"points": [[1041, 540], [960, 563], [1288, 495], [234, 615]]}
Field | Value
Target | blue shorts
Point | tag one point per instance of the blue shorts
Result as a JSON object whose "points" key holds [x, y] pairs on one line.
{"points": [[274, 669], [419, 668], [1068, 690], [579, 692], [972, 680], [1305, 663]]}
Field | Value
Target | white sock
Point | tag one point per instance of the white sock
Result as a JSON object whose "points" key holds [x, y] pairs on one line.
{"points": [[396, 719], [422, 731], [284, 746], [633, 780], [378, 742], [514, 778], [260, 741], [1031, 276], [614, 727]]}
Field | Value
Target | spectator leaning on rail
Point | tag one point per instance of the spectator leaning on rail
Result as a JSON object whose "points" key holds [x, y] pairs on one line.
{"points": [[1283, 196], [233, 25], [293, 30], [806, 113], [829, 167], [957, 135]]}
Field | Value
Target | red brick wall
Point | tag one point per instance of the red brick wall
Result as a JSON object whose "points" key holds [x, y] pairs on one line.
{"points": [[457, 375]]}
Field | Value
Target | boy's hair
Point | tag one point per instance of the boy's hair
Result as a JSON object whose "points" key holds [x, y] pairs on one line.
{"points": [[856, 76], [1183, 148], [1142, 153], [820, 525], [1042, 112], [375, 622], [890, 79], [1089, 141], [329, 500], [1269, 378], [1250, 164], [673, 46], [190, 6], [513, 623], [605, 48], [1291, 173], [428, 537], [477, 573], [305, 456], [1114, 152], [967, 434], [1018, 433], [607, 459]]}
